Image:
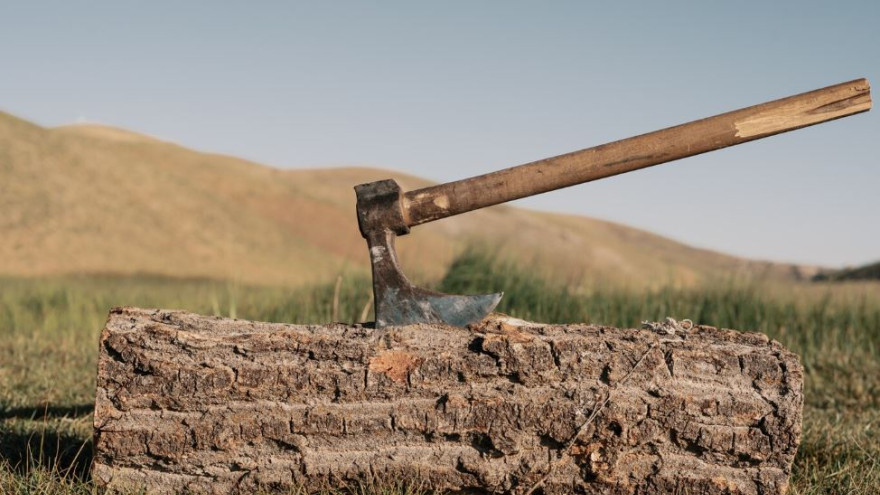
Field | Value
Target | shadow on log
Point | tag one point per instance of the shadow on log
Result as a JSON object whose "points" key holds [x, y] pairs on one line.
{"points": [[188, 402]]}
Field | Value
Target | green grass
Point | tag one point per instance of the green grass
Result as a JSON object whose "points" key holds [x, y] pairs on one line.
{"points": [[49, 340]]}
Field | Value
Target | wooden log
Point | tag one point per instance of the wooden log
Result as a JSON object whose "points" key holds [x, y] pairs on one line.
{"points": [[211, 405]]}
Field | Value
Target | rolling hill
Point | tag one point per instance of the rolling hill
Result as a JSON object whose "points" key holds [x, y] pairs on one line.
{"points": [[85, 199], [870, 271]]}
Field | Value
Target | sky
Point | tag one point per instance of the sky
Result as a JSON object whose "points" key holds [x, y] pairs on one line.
{"points": [[448, 90]]}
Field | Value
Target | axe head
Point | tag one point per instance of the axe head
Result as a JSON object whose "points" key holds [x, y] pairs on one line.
{"points": [[381, 218]]}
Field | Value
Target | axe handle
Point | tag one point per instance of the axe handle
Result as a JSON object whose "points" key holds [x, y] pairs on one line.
{"points": [[712, 133]]}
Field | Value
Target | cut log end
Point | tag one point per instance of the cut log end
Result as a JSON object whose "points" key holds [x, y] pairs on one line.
{"points": [[186, 402]]}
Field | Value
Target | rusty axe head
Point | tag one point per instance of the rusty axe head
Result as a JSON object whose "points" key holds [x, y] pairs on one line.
{"points": [[381, 218]]}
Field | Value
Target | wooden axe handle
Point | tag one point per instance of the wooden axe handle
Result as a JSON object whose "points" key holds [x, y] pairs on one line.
{"points": [[712, 133]]}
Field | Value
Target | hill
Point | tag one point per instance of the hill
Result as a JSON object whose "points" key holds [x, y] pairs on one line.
{"points": [[95, 199], [870, 271]]}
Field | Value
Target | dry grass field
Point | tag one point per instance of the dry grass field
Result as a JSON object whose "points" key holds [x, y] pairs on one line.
{"points": [[91, 199]]}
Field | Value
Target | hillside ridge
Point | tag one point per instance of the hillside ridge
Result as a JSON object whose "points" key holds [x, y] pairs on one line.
{"points": [[91, 198]]}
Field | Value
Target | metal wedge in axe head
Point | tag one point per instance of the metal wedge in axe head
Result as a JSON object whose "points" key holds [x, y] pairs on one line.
{"points": [[384, 211]]}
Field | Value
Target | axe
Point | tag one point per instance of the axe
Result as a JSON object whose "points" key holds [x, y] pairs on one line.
{"points": [[384, 211]]}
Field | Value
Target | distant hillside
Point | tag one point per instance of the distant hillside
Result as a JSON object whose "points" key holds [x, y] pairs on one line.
{"points": [[94, 199], [865, 272]]}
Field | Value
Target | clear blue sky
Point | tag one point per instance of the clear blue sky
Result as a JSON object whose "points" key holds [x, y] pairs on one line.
{"points": [[447, 90]]}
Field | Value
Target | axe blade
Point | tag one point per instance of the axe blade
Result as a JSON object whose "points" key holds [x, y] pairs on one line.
{"points": [[399, 302], [424, 306]]}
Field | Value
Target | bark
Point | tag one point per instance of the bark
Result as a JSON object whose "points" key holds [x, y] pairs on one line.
{"points": [[187, 402]]}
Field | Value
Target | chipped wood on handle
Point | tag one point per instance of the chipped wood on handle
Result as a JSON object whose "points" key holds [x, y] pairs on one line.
{"points": [[194, 404], [728, 129]]}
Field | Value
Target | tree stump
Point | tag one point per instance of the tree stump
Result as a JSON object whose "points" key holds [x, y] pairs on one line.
{"points": [[210, 405]]}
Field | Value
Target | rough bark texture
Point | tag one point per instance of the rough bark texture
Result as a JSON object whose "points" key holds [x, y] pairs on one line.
{"points": [[187, 402]]}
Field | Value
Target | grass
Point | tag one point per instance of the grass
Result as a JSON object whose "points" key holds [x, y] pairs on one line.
{"points": [[49, 330]]}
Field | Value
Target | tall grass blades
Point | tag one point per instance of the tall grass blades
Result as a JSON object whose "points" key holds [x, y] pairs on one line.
{"points": [[49, 342]]}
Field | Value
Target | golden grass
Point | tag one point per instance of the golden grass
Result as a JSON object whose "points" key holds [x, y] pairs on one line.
{"points": [[94, 199]]}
